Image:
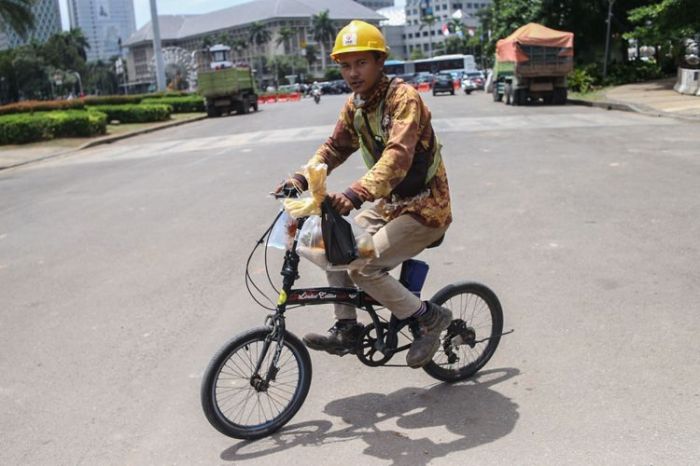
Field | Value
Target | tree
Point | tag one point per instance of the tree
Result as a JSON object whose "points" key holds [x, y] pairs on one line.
{"points": [[207, 41], [239, 46], [18, 15], [311, 55], [259, 35], [31, 73], [8, 81], [101, 78], [417, 54], [428, 21], [224, 38], [286, 65], [284, 35], [66, 51], [666, 22], [323, 32]]}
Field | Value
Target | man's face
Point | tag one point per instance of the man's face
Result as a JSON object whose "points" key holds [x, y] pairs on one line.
{"points": [[361, 70]]}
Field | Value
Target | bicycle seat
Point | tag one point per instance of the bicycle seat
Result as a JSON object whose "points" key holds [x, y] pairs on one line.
{"points": [[437, 243]]}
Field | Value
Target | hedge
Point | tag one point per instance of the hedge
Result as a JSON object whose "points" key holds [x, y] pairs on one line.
{"points": [[135, 113], [185, 104], [24, 128], [29, 106], [113, 99]]}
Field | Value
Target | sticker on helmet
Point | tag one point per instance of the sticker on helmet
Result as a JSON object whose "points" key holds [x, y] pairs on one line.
{"points": [[350, 38]]}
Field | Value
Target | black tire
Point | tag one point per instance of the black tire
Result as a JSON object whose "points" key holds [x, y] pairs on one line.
{"points": [[255, 105], [239, 356], [243, 107], [434, 93], [212, 112], [467, 301], [516, 97], [452, 92], [469, 93]]}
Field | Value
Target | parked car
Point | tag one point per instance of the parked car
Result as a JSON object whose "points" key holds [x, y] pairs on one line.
{"points": [[443, 82]]}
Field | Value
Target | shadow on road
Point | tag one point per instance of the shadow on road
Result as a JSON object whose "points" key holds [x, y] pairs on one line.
{"points": [[471, 411]]}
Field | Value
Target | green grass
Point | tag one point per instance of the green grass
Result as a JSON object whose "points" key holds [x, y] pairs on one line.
{"points": [[593, 96]]}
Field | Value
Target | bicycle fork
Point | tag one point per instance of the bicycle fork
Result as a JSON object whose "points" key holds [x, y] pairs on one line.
{"points": [[275, 322]]}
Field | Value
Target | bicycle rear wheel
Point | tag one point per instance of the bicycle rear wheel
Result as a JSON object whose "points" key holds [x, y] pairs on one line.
{"points": [[475, 331], [241, 404]]}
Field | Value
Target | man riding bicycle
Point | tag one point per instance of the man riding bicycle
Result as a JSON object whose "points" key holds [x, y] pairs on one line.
{"points": [[389, 122]]}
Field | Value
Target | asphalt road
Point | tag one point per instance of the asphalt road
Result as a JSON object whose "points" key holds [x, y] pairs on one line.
{"points": [[121, 273]]}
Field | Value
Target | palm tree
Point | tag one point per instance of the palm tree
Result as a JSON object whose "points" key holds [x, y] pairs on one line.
{"points": [[310, 55], [207, 41], [239, 45], [75, 38], [223, 38], [428, 21], [323, 32], [259, 35], [285, 33], [18, 15]]}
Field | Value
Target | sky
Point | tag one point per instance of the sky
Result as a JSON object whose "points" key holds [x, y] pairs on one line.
{"points": [[174, 7]]}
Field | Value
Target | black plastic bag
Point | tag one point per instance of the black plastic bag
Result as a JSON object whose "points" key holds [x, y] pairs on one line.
{"points": [[338, 237]]}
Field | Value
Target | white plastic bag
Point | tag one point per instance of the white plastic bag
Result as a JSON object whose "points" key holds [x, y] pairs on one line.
{"points": [[310, 245], [283, 232]]}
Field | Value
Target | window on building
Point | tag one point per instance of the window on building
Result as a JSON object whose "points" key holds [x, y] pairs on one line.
{"points": [[426, 47], [425, 33]]}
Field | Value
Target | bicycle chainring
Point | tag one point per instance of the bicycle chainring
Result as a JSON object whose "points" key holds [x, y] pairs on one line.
{"points": [[368, 352]]}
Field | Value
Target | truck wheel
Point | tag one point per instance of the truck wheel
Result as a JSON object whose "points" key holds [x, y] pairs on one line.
{"points": [[243, 107], [563, 96], [516, 97], [212, 112], [508, 94]]}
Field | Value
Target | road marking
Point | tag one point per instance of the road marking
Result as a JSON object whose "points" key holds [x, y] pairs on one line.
{"points": [[508, 123]]}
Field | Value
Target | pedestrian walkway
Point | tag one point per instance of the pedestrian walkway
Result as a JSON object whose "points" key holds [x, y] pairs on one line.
{"points": [[18, 155], [656, 96]]}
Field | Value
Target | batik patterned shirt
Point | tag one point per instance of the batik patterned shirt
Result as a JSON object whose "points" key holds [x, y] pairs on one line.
{"points": [[407, 129]]}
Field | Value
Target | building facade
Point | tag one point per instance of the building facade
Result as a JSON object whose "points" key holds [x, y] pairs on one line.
{"points": [[190, 32], [424, 38], [105, 23], [376, 4], [47, 22]]}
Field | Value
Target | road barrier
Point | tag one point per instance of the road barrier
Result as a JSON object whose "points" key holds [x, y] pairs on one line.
{"points": [[423, 87], [273, 98]]}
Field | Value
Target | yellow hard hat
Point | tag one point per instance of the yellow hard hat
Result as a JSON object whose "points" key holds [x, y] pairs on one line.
{"points": [[359, 36]]}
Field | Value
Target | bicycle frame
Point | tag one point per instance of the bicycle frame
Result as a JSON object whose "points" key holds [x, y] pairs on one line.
{"points": [[324, 295]]}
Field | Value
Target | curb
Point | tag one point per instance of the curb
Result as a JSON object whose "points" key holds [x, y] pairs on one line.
{"points": [[626, 107], [138, 132], [107, 140]]}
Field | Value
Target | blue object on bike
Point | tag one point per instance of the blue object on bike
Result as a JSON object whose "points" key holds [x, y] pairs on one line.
{"points": [[413, 275]]}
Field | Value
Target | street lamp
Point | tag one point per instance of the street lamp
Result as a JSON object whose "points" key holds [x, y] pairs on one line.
{"points": [[160, 65], [80, 82]]}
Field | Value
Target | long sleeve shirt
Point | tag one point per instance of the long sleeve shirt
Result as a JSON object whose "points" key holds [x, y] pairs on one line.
{"points": [[405, 122]]}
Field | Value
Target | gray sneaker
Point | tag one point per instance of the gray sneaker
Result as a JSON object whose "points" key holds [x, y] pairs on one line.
{"points": [[431, 324]]}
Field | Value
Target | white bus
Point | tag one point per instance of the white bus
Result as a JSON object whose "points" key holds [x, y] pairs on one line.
{"points": [[431, 65]]}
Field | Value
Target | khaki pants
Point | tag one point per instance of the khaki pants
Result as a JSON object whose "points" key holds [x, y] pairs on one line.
{"points": [[395, 241]]}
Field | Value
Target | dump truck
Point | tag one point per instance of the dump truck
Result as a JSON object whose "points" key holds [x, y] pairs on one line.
{"points": [[531, 64], [225, 87]]}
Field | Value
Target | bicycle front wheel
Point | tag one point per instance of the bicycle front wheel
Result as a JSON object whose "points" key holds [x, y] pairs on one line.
{"points": [[243, 404], [472, 337]]}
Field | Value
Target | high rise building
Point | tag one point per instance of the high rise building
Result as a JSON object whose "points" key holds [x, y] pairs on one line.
{"points": [[424, 38], [47, 22], [105, 23]]}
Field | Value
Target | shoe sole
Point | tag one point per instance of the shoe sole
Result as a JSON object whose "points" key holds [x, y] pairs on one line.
{"points": [[435, 348], [334, 351]]}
